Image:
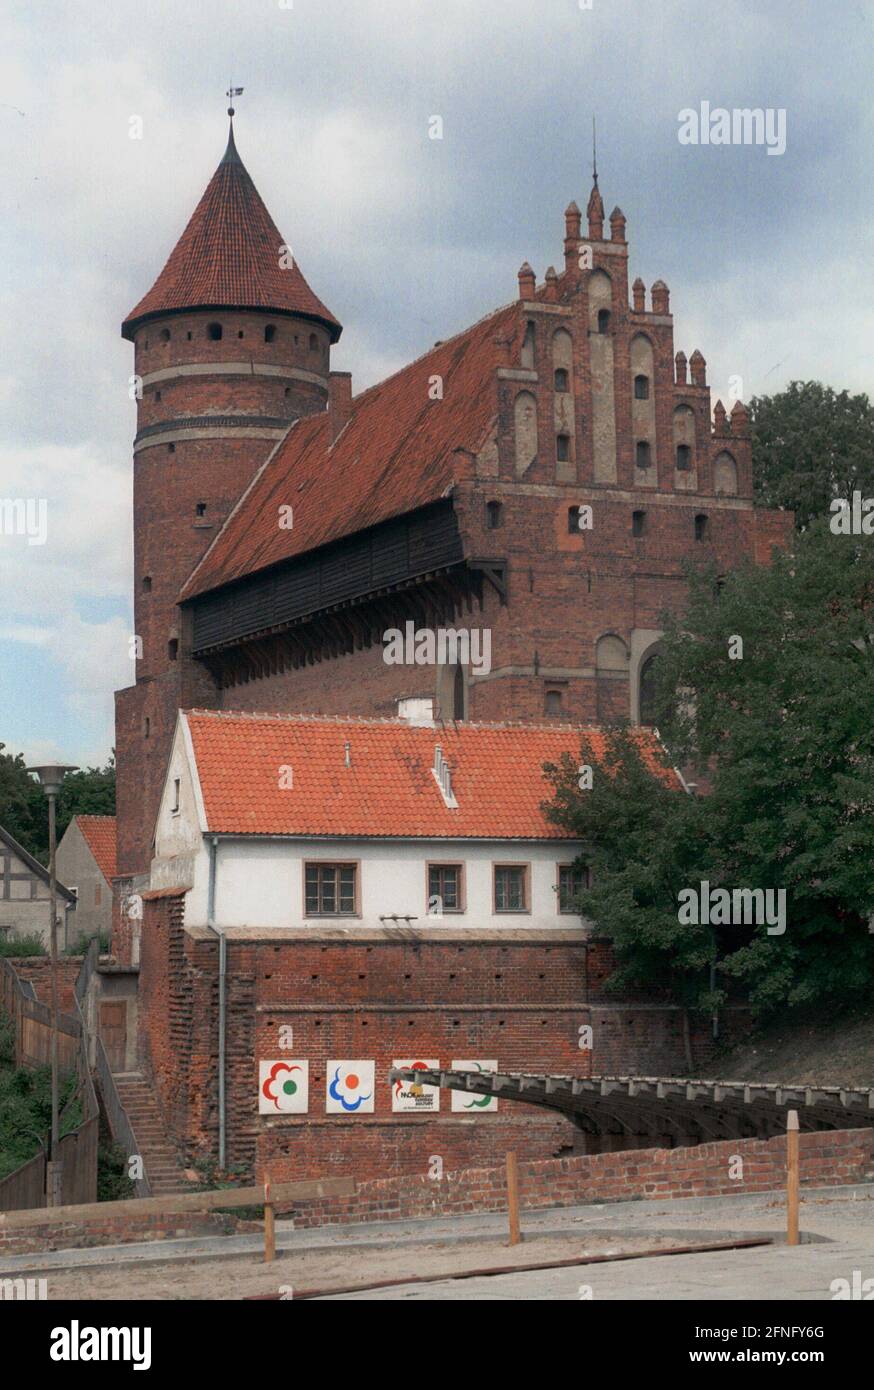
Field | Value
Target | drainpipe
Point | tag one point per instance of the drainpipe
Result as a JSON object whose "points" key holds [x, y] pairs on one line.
{"points": [[223, 970]]}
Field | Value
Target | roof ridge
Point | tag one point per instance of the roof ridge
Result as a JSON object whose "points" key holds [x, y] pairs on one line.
{"points": [[396, 722]]}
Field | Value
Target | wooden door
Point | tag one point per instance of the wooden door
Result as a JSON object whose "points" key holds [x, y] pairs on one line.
{"points": [[113, 1031]]}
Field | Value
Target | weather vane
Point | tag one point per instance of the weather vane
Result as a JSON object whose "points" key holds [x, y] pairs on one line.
{"points": [[230, 94]]}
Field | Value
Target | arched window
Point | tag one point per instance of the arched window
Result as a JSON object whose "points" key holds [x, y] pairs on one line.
{"points": [[147, 583], [684, 457], [643, 454], [641, 388], [173, 649], [493, 515], [603, 320], [561, 379], [525, 420], [702, 527], [573, 521], [562, 447], [165, 335], [214, 332], [270, 333], [648, 678], [314, 343], [638, 523]]}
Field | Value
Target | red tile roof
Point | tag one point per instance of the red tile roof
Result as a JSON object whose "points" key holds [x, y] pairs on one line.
{"points": [[397, 452], [229, 256], [99, 832], [388, 790]]}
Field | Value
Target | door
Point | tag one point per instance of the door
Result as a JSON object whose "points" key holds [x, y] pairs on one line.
{"points": [[113, 1031]]}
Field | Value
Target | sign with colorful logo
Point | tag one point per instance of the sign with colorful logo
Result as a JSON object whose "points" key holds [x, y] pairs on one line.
{"points": [[407, 1095], [350, 1087], [466, 1100], [283, 1087]]}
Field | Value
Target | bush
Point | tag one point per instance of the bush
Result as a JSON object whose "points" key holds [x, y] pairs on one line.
{"points": [[30, 945]]}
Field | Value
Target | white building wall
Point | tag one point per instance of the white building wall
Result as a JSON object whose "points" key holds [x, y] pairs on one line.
{"points": [[261, 883]]}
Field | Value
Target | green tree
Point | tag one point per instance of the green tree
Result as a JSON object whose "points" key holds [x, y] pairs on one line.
{"points": [[90, 791], [785, 731], [811, 444]]}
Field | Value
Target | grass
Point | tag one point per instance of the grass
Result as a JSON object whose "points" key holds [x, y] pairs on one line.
{"points": [[32, 945]]}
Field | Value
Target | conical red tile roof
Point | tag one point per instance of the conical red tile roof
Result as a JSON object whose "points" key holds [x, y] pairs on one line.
{"points": [[229, 257]]}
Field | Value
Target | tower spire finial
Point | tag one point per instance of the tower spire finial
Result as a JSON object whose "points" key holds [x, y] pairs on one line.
{"points": [[230, 154], [594, 154]]}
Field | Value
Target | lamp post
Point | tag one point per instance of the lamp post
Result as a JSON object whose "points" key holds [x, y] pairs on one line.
{"points": [[51, 775]]}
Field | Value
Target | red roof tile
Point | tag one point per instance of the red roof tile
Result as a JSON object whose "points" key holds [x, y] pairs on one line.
{"points": [[397, 452], [229, 256], [388, 790], [99, 832]]}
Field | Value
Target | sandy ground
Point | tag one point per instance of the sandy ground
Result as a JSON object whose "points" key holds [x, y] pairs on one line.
{"points": [[325, 1269]]}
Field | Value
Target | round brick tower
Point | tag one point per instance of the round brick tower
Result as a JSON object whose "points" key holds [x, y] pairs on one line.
{"points": [[231, 347]]}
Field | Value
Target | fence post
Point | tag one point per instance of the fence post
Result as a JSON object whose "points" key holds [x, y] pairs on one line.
{"points": [[513, 1198], [792, 1177], [269, 1224]]}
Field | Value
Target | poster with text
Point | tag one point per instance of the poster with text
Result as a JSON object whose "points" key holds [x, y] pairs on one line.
{"points": [[411, 1097]]}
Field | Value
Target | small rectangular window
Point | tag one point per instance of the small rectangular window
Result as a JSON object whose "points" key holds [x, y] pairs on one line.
{"points": [[562, 447], [638, 523], [444, 888], [176, 786], [571, 882], [330, 890], [511, 888]]}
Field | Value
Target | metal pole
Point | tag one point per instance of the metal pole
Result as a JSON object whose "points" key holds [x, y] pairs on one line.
{"points": [[54, 1173]]}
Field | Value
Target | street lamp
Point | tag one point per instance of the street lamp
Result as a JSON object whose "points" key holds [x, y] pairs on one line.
{"points": [[51, 775]]}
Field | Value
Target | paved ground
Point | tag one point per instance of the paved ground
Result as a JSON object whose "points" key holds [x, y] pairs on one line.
{"points": [[838, 1225]]}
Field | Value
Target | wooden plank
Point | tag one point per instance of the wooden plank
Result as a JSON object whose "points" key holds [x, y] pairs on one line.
{"points": [[282, 1193], [513, 1198]]}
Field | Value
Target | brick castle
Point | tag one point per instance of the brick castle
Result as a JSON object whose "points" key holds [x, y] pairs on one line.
{"points": [[542, 475]]}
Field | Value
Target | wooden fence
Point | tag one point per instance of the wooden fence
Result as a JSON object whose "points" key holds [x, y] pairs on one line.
{"points": [[32, 1023]]}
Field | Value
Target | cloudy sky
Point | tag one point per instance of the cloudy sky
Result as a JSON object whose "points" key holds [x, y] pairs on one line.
{"points": [[407, 239]]}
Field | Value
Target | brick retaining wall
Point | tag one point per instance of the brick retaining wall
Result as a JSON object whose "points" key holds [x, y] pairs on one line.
{"points": [[831, 1158]]}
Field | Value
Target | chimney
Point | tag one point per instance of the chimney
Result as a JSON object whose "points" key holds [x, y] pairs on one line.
{"points": [[339, 401], [417, 711], [443, 777]]}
